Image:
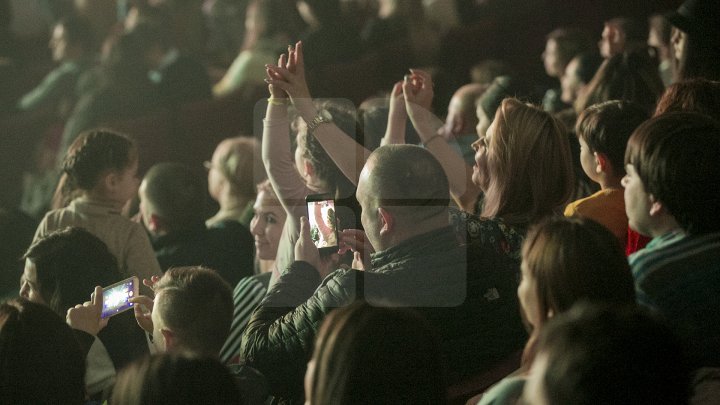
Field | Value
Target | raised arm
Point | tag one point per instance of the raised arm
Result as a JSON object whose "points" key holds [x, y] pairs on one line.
{"points": [[277, 154], [418, 95], [397, 117], [348, 155]]}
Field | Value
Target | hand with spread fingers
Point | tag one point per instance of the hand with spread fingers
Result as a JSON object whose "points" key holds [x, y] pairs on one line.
{"points": [[87, 317], [289, 74]]}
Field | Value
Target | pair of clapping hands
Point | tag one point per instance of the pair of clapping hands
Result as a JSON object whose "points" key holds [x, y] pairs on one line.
{"points": [[87, 317], [353, 240]]}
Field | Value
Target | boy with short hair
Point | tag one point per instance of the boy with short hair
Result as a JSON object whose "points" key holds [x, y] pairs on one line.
{"points": [[672, 194], [603, 131]]}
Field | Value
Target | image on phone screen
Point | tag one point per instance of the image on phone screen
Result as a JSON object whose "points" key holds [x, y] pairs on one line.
{"points": [[116, 297], [323, 228]]}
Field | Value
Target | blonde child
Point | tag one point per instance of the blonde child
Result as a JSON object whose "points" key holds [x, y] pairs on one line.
{"points": [[603, 131], [100, 177]]}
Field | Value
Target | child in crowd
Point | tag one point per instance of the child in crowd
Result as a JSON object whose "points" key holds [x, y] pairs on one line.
{"points": [[100, 176], [603, 131]]}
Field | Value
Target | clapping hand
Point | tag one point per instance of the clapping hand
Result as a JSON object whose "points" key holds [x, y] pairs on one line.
{"points": [[289, 75], [418, 91]]}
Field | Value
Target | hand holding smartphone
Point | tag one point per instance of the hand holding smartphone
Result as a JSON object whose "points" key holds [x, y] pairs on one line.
{"points": [[323, 221]]}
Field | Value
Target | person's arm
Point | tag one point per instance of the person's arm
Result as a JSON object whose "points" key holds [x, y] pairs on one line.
{"points": [[397, 118], [418, 94], [55, 86], [278, 339], [348, 155]]}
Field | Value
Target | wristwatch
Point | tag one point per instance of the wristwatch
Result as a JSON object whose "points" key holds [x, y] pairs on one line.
{"points": [[322, 117]]}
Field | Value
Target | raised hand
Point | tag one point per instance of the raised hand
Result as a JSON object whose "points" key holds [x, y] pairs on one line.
{"points": [[290, 75], [87, 317], [418, 90]]}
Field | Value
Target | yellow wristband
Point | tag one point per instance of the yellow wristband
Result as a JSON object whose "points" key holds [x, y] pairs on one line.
{"points": [[278, 101]]}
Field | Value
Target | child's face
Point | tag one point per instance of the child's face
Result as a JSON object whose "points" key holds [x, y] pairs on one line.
{"points": [[127, 183], [637, 201]]}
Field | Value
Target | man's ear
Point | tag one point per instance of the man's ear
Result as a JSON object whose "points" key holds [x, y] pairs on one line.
{"points": [[602, 163], [169, 338], [387, 221]]}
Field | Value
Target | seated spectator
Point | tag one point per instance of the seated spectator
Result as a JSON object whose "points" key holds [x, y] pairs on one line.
{"points": [[603, 131], [119, 89], [16, 232], [578, 73], [519, 186], [659, 40], [266, 226], [672, 195], [269, 26], [60, 269], [172, 199], [180, 78], [42, 361], [418, 262], [629, 76], [191, 311], [461, 120], [607, 356], [178, 379], [100, 177], [311, 170], [73, 48], [565, 261], [378, 364], [623, 35], [696, 50], [234, 170], [561, 46]]}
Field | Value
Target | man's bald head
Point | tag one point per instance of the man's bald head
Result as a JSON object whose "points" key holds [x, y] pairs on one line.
{"points": [[406, 180]]}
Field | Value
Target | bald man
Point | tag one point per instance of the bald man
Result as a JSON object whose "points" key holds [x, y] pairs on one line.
{"points": [[468, 293]]}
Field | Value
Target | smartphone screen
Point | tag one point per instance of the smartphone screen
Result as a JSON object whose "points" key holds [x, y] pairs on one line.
{"points": [[323, 224], [116, 296]]}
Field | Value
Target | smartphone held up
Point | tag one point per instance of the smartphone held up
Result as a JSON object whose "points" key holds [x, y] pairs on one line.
{"points": [[323, 221]]}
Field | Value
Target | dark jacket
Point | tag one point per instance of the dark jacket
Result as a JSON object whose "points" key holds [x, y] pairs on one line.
{"points": [[468, 293], [227, 248]]}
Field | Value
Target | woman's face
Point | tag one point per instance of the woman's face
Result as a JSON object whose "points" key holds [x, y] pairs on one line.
{"points": [[267, 225], [128, 183], [528, 296], [29, 287], [481, 176]]}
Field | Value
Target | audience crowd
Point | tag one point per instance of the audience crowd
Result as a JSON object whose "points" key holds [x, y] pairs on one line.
{"points": [[500, 239]]}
